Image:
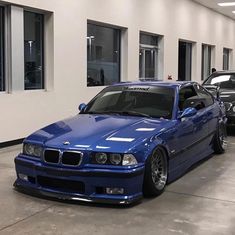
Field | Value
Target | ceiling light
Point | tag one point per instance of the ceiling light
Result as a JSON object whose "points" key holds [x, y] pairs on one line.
{"points": [[233, 12], [226, 4]]}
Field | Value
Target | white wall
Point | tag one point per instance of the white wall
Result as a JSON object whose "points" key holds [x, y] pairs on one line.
{"points": [[25, 111]]}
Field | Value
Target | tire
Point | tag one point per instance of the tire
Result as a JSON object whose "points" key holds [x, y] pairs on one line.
{"points": [[156, 172], [220, 139]]}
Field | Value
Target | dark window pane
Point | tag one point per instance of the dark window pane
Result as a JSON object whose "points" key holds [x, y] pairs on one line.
{"points": [[2, 77], [226, 80], [33, 50], [225, 59], [206, 61], [103, 55], [148, 39], [149, 63], [184, 61]]}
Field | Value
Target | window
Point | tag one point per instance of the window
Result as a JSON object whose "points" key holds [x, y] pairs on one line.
{"points": [[33, 51], [202, 93], [103, 55], [184, 94], [194, 96], [2, 77], [226, 55], [225, 80], [206, 61], [184, 61], [148, 56], [134, 101]]}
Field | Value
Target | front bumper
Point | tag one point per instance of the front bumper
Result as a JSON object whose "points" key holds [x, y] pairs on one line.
{"points": [[51, 181]]}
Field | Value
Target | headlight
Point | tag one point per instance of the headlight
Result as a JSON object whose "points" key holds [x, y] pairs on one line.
{"points": [[234, 109], [128, 160], [101, 158], [115, 158], [32, 150]]}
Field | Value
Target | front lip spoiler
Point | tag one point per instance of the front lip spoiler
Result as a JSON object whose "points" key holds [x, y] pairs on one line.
{"points": [[61, 196]]}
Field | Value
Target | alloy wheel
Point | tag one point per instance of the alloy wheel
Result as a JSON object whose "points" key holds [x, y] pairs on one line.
{"points": [[159, 169]]}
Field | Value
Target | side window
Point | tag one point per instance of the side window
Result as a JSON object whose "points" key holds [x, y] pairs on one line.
{"points": [[184, 94], [202, 93]]}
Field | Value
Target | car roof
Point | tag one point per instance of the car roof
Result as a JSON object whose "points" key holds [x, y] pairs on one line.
{"points": [[224, 72], [173, 84]]}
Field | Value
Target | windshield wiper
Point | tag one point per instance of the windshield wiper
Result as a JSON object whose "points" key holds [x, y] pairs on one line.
{"points": [[103, 112], [131, 113], [135, 113]]}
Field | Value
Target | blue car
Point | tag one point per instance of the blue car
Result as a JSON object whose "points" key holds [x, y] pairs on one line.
{"points": [[130, 140]]}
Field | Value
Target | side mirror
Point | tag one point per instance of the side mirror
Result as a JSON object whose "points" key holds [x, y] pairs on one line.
{"points": [[188, 112], [82, 107]]}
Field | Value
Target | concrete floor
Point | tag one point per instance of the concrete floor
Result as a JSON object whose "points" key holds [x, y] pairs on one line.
{"points": [[201, 202]]}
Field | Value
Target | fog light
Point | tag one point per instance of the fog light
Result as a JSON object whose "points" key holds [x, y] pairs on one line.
{"points": [[114, 190], [23, 177]]}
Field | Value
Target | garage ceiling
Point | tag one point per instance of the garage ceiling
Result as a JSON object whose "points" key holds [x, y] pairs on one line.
{"points": [[212, 4]]}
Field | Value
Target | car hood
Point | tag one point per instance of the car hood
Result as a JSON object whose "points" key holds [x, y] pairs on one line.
{"points": [[227, 95], [99, 132]]}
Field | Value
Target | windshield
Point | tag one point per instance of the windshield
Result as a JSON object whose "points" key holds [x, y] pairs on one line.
{"points": [[147, 101], [226, 81]]}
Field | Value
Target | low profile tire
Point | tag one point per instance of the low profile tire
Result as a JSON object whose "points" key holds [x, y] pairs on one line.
{"points": [[220, 139], [156, 172]]}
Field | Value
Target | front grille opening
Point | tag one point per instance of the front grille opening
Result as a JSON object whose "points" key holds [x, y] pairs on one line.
{"points": [[51, 156], [100, 190], [71, 158], [61, 185]]}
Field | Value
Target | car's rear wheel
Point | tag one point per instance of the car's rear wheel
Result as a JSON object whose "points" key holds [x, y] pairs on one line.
{"points": [[220, 139], [156, 172]]}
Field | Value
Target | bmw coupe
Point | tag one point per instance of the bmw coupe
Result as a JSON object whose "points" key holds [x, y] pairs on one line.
{"points": [[130, 140]]}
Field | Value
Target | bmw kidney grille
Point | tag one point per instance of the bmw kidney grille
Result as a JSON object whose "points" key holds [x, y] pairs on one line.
{"points": [[67, 158]]}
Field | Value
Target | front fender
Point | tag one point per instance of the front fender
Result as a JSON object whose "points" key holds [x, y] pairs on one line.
{"points": [[144, 150]]}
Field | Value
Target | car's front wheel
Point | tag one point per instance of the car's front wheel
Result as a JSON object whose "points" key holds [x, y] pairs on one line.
{"points": [[220, 139], [156, 171]]}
